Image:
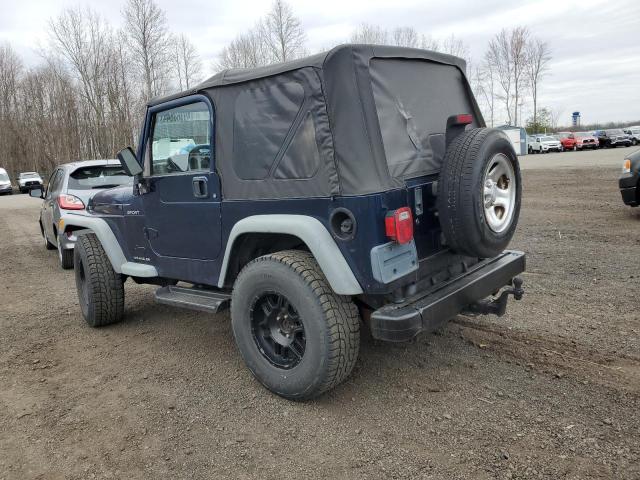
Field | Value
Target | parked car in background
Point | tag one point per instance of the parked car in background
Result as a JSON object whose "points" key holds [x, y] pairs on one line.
{"points": [[586, 140], [5, 183], [634, 134], [614, 137], [69, 188], [27, 180], [530, 140], [544, 144], [568, 141], [629, 181]]}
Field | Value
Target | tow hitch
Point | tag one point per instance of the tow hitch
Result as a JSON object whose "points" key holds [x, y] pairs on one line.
{"points": [[498, 306]]}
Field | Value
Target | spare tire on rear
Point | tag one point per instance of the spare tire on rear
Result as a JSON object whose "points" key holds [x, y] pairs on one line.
{"points": [[479, 193]]}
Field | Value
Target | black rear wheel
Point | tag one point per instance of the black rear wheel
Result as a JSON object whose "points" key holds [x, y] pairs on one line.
{"points": [[278, 330], [298, 337]]}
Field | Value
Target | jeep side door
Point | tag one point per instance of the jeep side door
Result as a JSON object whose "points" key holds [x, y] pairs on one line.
{"points": [[180, 190]]}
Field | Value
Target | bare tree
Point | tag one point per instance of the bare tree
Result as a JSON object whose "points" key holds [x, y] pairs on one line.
{"points": [[187, 61], [146, 27], [518, 44], [282, 33], [370, 34], [498, 59], [538, 56], [10, 70], [483, 85], [245, 51], [406, 37], [455, 46], [83, 39]]}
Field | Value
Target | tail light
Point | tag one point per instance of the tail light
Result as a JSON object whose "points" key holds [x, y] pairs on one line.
{"points": [[399, 225], [70, 202]]}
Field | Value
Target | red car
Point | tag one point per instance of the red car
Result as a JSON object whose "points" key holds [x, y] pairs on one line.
{"points": [[568, 140], [578, 141]]}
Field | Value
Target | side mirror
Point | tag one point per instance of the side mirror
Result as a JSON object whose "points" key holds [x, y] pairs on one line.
{"points": [[129, 162], [35, 192]]}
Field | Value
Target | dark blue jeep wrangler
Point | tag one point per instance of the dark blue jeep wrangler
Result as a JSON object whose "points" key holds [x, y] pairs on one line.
{"points": [[358, 185]]}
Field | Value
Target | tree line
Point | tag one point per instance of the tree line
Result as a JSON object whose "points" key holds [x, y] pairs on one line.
{"points": [[85, 99]]}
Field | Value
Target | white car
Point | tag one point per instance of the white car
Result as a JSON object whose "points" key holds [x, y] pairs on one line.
{"points": [[5, 183], [26, 180], [634, 133], [544, 144]]}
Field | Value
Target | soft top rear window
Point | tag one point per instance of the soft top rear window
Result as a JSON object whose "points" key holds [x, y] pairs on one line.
{"points": [[413, 99], [101, 176]]}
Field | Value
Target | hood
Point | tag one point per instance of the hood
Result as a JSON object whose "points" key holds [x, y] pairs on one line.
{"points": [[111, 201]]}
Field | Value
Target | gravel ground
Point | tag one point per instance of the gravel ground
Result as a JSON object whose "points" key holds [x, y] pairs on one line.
{"points": [[552, 390]]}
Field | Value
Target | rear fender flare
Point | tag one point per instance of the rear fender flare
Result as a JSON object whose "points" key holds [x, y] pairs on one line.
{"points": [[316, 237]]}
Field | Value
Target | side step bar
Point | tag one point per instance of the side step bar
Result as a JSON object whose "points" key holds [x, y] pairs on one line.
{"points": [[193, 298]]}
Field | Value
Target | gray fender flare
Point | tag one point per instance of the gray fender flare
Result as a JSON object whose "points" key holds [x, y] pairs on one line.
{"points": [[111, 246], [313, 234]]}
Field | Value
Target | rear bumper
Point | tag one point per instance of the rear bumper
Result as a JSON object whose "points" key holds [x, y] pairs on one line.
{"points": [[427, 310]]}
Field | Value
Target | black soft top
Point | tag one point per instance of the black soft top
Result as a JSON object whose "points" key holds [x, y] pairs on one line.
{"points": [[379, 114], [322, 61]]}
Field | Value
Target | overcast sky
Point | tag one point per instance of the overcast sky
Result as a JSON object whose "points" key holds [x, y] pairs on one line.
{"points": [[595, 44]]}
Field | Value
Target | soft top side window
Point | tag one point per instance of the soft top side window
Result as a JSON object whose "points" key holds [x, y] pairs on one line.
{"points": [[263, 120]]}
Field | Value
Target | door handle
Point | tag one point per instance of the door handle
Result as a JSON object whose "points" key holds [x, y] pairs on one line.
{"points": [[200, 188]]}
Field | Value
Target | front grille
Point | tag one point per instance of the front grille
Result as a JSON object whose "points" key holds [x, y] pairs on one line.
{"points": [[28, 184]]}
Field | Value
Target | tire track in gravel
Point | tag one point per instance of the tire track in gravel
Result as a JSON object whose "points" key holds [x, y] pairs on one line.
{"points": [[560, 355]]}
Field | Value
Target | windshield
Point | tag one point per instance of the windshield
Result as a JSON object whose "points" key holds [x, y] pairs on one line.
{"points": [[101, 176], [583, 134], [29, 175], [4, 177], [615, 131], [548, 139]]}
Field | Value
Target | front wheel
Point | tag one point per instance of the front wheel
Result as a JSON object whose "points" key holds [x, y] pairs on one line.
{"points": [[297, 337], [100, 288]]}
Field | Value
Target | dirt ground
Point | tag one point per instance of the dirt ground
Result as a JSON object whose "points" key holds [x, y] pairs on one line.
{"points": [[552, 390]]}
